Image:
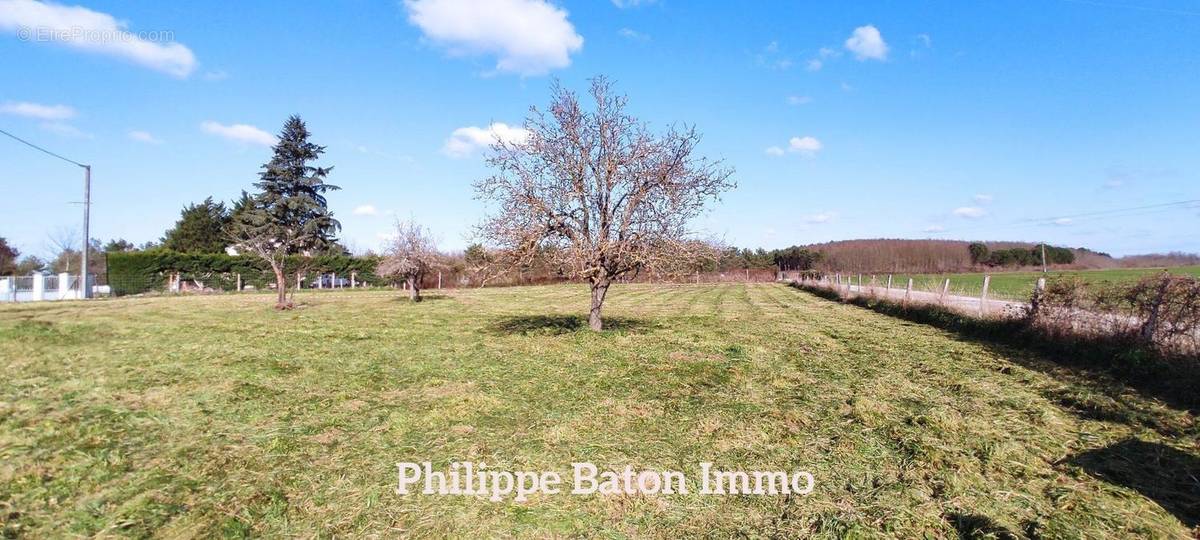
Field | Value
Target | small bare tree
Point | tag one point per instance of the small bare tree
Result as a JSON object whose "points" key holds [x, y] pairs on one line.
{"points": [[599, 193], [411, 256]]}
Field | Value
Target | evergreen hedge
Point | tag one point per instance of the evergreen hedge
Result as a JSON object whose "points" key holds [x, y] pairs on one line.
{"points": [[135, 272]]}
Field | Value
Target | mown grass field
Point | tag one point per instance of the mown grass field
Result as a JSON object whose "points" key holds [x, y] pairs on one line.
{"points": [[1019, 285], [220, 417]]}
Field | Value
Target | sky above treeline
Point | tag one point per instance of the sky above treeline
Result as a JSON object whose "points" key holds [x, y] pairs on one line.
{"points": [[1072, 122]]}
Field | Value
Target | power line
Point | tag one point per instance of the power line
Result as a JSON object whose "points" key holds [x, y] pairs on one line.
{"points": [[85, 289], [1134, 7], [36, 147], [1120, 210], [1086, 216]]}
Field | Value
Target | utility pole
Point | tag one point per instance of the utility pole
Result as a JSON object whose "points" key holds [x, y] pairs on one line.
{"points": [[84, 290], [84, 287], [1043, 257]]}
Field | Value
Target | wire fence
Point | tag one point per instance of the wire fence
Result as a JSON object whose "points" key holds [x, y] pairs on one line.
{"points": [[1162, 310]]}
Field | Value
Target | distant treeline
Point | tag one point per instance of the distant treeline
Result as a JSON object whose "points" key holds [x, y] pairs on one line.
{"points": [[944, 256], [1039, 254]]}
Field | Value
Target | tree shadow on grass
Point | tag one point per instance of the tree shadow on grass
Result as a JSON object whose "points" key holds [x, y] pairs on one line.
{"points": [[973, 526], [555, 325], [1163, 474], [404, 299]]}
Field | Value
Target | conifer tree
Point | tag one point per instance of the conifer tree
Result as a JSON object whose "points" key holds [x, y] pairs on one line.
{"points": [[200, 229], [289, 214]]}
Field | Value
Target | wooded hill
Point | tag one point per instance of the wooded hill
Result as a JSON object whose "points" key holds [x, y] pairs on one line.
{"points": [[934, 256]]}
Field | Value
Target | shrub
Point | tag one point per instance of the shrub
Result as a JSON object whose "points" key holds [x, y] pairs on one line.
{"points": [[1161, 311], [143, 271]]}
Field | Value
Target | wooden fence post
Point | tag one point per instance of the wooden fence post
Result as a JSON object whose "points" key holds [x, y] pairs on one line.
{"points": [[439, 280], [908, 290], [889, 285], [239, 281], [353, 279], [987, 280], [1035, 302], [945, 289], [1151, 326]]}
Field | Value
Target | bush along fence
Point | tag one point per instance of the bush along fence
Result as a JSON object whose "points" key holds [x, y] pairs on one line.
{"points": [[169, 271], [1159, 312]]}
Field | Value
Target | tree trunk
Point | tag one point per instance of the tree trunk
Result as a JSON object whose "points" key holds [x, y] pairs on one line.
{"points": [[414, 289], [1151, 325], [599, 289], [280, 287]]}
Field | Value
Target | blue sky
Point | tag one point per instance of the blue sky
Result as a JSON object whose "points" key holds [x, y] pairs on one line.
{"points": [[978, 120]]}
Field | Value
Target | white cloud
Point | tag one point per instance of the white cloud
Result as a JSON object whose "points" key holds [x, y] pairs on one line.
{"points": [[804, 145], [92, 31], [239, 132], [65, 130], [824, 53], [823, 217], [632, 3], [867, 44], [925, 40], [934, 228], [37, 110], [465, 141], [365, 210], [982, 198], [143, 136], [1062, 222], [633, 35], [772, 57], [798, 100], [528, 37], [969, 212]]}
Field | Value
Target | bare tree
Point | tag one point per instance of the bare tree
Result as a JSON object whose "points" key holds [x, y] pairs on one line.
{"points": [[599, 193], [63, 242], [411, 256]]}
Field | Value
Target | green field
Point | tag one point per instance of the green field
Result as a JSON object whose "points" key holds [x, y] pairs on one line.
{"points": [[1019, 285], [216, 416]]}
